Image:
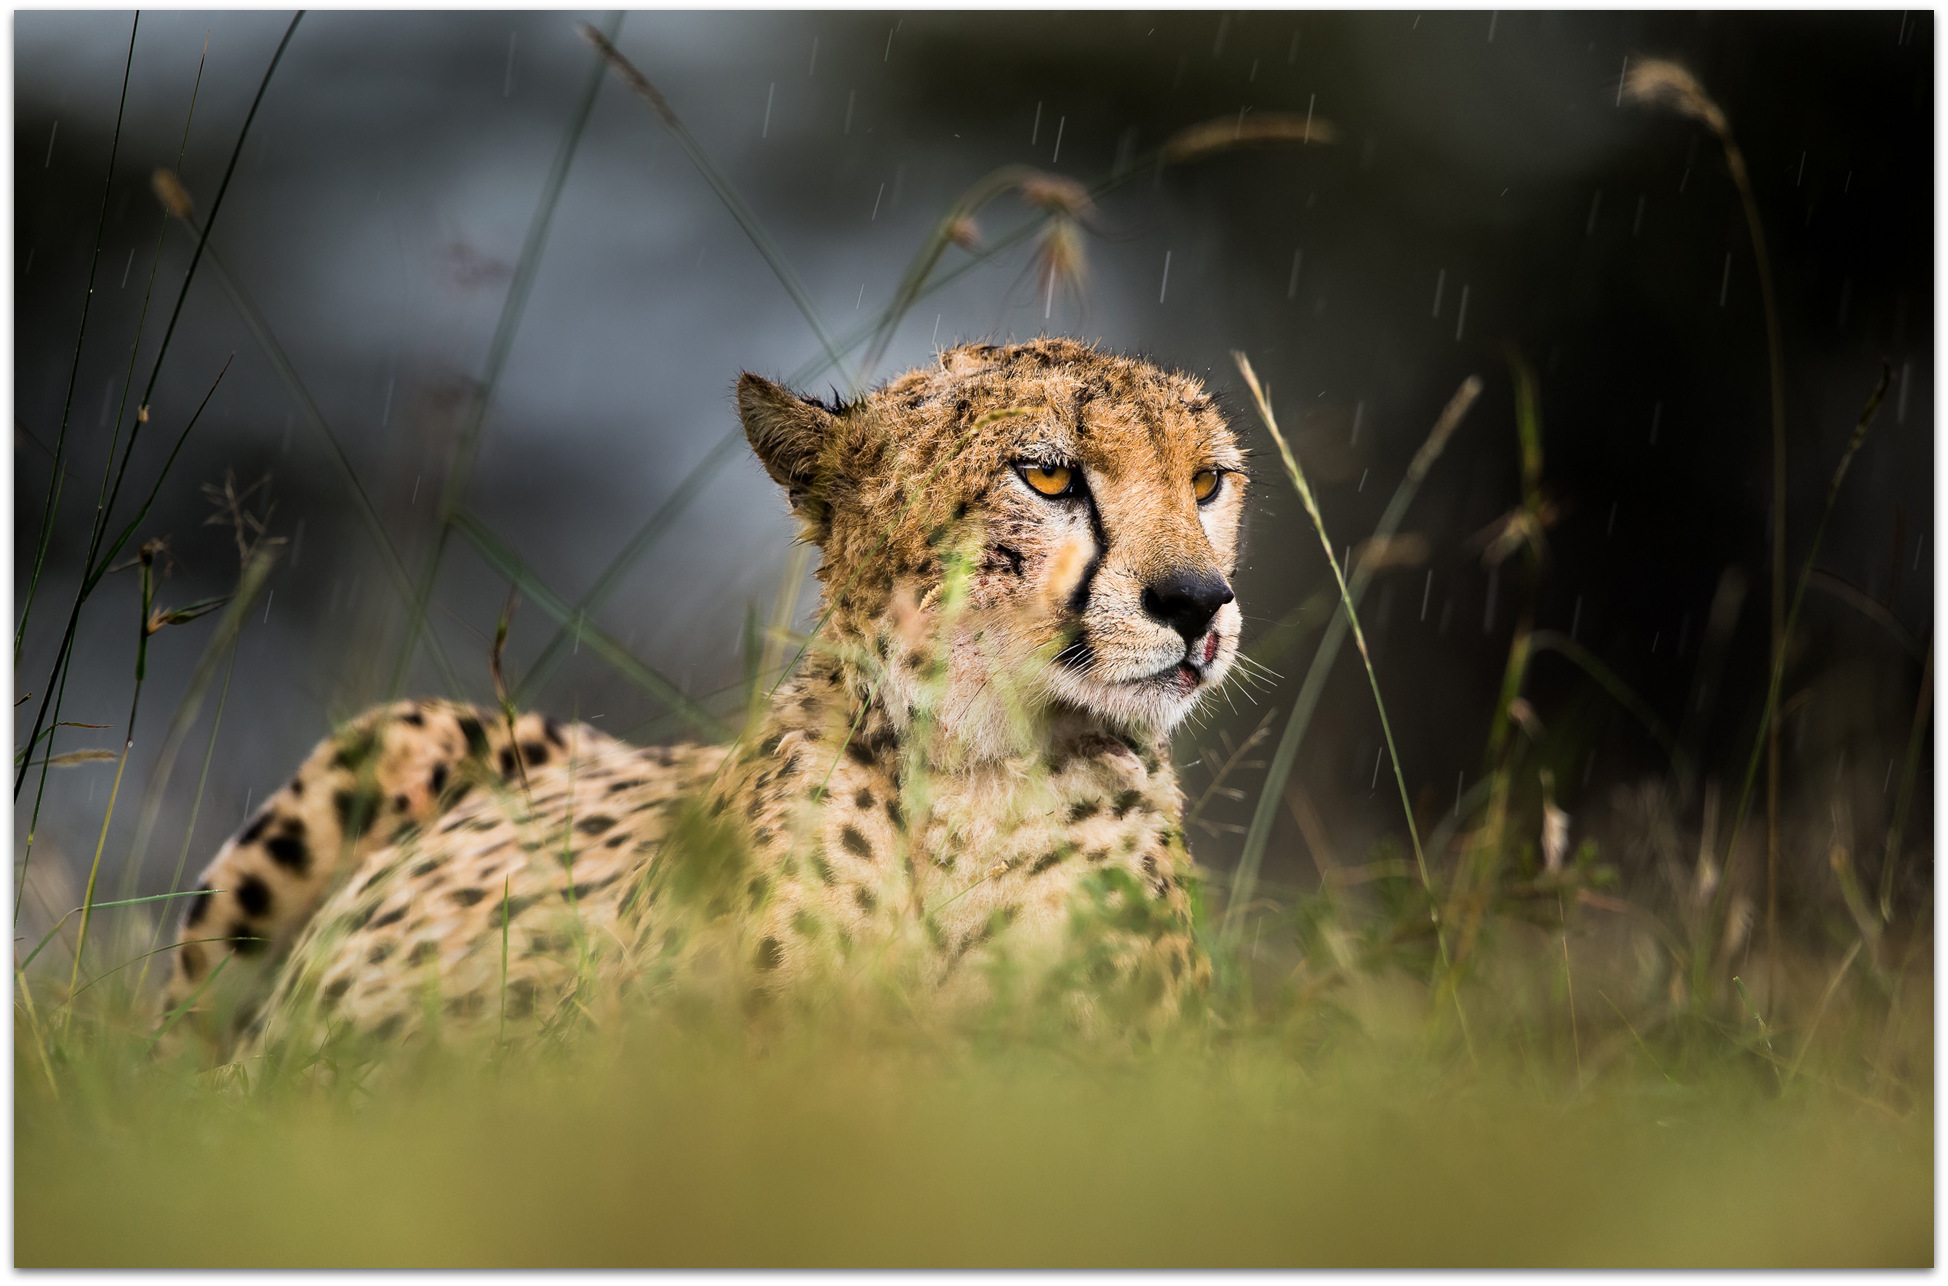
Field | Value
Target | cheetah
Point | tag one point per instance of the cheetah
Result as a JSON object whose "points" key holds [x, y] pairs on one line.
{"points": [[1026, 567]]}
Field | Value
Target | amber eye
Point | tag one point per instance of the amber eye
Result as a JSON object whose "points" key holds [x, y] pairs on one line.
{"points": [[1204, 484], [1053, 481]]}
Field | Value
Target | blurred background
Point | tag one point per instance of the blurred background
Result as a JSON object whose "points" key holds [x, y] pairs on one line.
{"points": [[1487, 196]]}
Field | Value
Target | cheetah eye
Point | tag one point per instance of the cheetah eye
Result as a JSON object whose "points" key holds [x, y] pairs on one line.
{"points": [[1204, 485], [1054, 481]]}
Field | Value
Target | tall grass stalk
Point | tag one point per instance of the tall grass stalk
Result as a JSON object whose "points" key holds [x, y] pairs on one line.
{"points": [[1662, 83], [1304, 489], [1307, 701], [74, 367], [56, 685], [1769, 714], [747, 219], [460, 471]]}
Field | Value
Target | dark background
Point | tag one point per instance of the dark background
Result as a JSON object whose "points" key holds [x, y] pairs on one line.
{"points": [[391, 173]]}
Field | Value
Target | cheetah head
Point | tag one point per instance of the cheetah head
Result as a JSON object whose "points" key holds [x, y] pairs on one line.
{"points": [[1020, 533]]}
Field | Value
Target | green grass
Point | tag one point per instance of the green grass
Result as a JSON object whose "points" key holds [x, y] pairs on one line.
{"points": [[683, 1149]]}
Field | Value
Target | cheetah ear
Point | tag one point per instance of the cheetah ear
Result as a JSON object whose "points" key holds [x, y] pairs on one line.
{"points": [[789, 434]]}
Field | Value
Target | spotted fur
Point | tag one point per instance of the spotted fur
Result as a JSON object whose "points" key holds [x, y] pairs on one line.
{"points": [[966, 782]]}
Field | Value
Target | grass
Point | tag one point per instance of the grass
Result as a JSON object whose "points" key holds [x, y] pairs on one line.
{"points": [[1616, 1097]]}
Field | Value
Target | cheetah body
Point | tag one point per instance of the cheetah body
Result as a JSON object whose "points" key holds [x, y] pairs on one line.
{"points": [[965, 782]]}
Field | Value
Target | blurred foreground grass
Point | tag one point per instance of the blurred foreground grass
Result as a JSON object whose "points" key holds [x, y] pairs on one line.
{"points": [[680, 1148]]}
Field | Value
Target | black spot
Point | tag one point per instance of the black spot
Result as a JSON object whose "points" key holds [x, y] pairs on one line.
{"points": [[625, 784], [199, 906], [381, 953], [520, 998], [373, 878], [1012, 555], [580, 891], [822, 868], [863, 800], [355, 810], [459, 793], [551, 729], [413, 719], [1126, 800], [253, 895], [400, 803], [855, 843], [423, 952], [769, 746], [334, 991], [288, 849], [893, 812], [1047, 860], [771, 953], [864, 897], [536, 752], [393, 916], [390, 1027], [595, 824], [244, 940], [476, 736], [1083, 811], [467, 1006], [513, 906], [615, 841], [256, 828], [297, 787], [507, 761], [466, 897]]}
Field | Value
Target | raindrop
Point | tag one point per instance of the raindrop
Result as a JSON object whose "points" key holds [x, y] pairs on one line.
{"points": [[1889, 781], [1310, 100], [1493, 15], [1725, 285], [125, 269], [1362, 486], [1576, 618], [1917, 550], [1224, 26], [1461, 319], [1596, 203], [1059, 123], [416, 481], [385, 413], [1291, 286], [1253, 74], [936, 328], [1292, 54], [851, 97], [1656, 635], [1425, 594], [507, 80], [1683, 179], [50, 145], [889, 43], [1848, 187], [1610, 528], [1359, 410], [1458, 779], [1035, 131], [1440, 284], [1165, 287], [1637, 222], [861, 299], [267, 606], [1802, 171], [1377, 756], [876, 198], [813, 69], [770, 94], [1622, 77]]}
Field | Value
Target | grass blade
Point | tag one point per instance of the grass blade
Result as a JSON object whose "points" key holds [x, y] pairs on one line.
{"points": [[504, 560], [460, 472], [746, 218], [1286, 754], [74, 368]]}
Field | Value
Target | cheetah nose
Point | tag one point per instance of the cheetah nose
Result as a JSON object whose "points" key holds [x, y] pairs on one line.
{"points": [[1186, 600]]}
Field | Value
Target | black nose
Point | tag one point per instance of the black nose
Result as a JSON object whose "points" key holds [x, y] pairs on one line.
{"points": [[1186, 600]]}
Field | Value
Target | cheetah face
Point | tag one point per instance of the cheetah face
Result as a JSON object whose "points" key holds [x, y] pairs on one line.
{"points": [[1022, 532]]}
